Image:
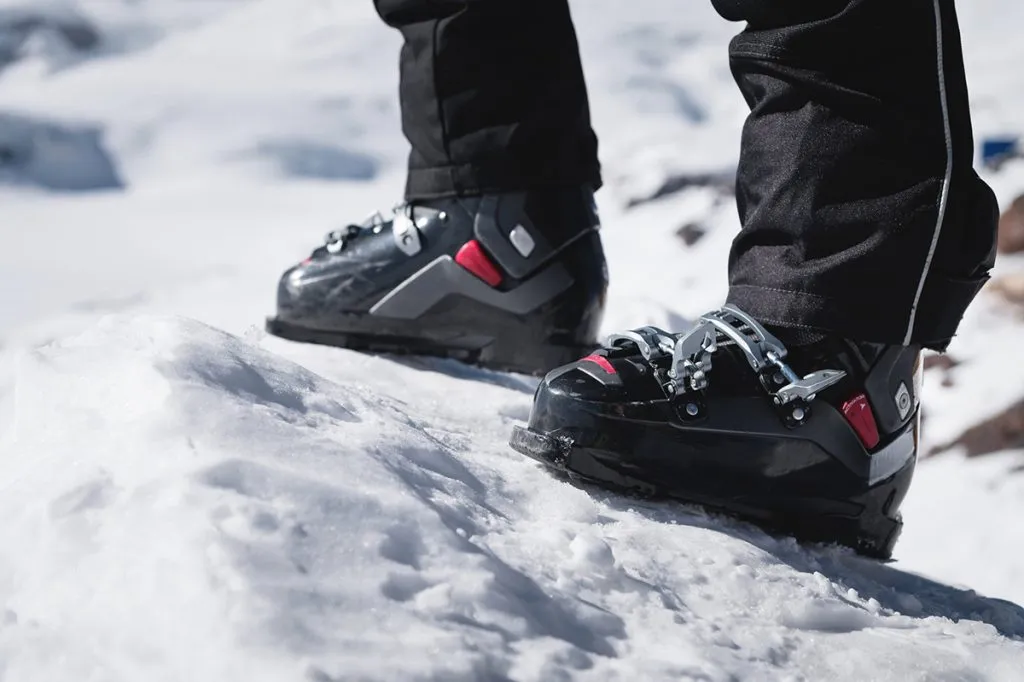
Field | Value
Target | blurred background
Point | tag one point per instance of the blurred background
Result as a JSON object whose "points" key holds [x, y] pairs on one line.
{"points": [[174, 156]]}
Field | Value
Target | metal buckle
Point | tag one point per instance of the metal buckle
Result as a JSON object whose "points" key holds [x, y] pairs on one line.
{"points": [[336, 240], [406, 236], [653, 343], [691, 357], [405, 232]]}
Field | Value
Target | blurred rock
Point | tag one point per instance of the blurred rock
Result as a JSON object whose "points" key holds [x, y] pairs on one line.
{"points": [[724, 183], [937, 361], [1009, 287], [1011, 227], [941, 363], [1005, 431], [691, 233], [54, 156]]}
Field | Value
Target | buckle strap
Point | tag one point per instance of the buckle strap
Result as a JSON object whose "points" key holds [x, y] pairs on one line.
{"points": [[691, 356]]}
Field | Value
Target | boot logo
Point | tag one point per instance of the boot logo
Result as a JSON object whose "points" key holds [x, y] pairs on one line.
{"points": [[903, 401]]}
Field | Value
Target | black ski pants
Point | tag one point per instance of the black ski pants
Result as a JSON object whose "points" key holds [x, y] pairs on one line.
{"points": [[861, 213]]}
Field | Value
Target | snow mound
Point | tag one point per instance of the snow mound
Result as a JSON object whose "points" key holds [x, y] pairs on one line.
{"points": [[179, 503], [53, 32], [45, 36], [53, 155], [314, 160], [168, 83]]}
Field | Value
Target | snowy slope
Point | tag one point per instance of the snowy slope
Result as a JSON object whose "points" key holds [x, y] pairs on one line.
{"points": [[185, 498], [206, 496]]}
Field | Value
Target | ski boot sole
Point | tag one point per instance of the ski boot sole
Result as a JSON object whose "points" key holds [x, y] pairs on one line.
{"points": [[809, 520], [493, 354]]}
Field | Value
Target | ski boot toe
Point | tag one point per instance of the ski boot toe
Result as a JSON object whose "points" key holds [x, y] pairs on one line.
{"points": [[602, 377], [826, 456]]}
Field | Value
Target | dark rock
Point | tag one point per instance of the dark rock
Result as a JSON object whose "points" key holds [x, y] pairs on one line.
{"points": [[722, 182], [1010, 287], [943, 362], [1005, 431], [691, 233]]}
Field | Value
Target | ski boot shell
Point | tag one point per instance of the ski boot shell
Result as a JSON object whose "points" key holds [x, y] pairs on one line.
{"points": [[826, 456], [514, 282]]}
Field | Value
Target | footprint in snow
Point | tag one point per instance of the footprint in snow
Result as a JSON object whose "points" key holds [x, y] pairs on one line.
{"points": [[403, 544], [94, 494], [402, 587]]}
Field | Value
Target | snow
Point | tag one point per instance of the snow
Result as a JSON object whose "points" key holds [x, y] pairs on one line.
{"points": [[187, 490], [186, 498]]}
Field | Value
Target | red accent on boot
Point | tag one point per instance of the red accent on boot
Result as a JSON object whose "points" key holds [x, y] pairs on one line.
{"points": [[857, 411], [472, 257], [601, 362]]}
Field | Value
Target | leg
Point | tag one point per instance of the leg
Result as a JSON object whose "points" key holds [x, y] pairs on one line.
{"points": [[861, 212], [493, 97]]}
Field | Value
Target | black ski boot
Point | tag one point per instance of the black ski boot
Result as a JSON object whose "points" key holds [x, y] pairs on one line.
{"points": [[819, 442], [508, 281]]}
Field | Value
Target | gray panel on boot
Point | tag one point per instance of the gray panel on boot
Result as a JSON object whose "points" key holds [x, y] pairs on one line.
{"points": [[443, 276]]}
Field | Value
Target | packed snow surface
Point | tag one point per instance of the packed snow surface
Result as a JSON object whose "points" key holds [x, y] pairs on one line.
{"points": [[185, 498]]}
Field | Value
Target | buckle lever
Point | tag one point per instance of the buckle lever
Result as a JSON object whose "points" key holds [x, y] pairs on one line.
{"points": [[691, 355]]}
